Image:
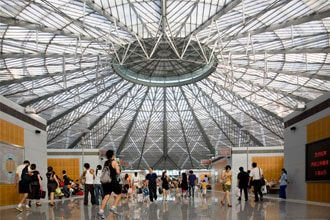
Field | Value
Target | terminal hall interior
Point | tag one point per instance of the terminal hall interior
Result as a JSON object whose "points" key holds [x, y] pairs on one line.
{"points": [[164, 109]]}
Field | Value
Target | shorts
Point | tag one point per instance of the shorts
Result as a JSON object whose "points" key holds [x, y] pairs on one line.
{"points": [[166, 187], [23, 187], [226, 187], [113, 187]]}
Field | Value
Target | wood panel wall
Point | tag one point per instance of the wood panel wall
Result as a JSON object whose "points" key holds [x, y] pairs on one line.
{"points": [[71, 165], [318, 130], [271, 166], [11, 134]]}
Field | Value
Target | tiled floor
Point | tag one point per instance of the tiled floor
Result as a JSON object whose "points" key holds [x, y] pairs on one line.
{"points": [[177, 208]]}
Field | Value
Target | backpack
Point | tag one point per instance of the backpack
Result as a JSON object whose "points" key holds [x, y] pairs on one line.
{"points": [[25, 177], [105, 175]]}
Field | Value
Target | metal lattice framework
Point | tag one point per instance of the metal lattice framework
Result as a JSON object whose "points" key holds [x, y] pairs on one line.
{"points": [[164, 83]]}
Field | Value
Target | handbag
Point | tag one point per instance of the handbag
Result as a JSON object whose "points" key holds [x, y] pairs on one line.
{"points": [[105, 175], [160, 190], [263, 182]]}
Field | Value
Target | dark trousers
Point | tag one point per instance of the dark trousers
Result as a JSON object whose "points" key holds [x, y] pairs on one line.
{"points": [[66, 191], [191, 190], [283, 192], [152, 193], [89, 188], [257, 189], [245, 192], [98, 192]]}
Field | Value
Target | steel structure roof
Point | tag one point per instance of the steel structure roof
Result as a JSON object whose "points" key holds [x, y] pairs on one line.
{"points": [[57, 56]]}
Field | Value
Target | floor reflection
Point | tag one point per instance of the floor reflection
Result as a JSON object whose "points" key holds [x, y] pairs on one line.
{"points": [[176, 208]]}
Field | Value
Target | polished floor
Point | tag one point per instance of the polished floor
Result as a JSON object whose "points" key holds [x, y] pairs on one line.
{"points": [[176, 208]]}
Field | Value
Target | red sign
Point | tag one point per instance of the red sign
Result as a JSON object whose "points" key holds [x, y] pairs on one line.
{"points": [[225, 152], [318, 160]]}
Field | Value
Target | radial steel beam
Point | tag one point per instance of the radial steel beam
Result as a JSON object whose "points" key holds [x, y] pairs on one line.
{"points": [[270, 89], [165, 144], [139, 17], [36, 77], [183, 131], [52, 120], [32, 101], [225, 9], [163, 8], [130, 126], [285, 72], [184, 22], [80, 137], [199, 125], [102, 11], [204, 94], [43, 55], [33, 26], [71, 123], [316, 16], [147, 130], [285, 51], [267, 119]]}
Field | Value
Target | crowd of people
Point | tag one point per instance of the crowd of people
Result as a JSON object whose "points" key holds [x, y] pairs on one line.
{"points": [[107, 181]]}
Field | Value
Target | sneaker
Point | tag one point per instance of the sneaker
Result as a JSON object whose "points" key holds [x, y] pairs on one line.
{"points": [[114, 210], [27, 206], [101, 213], [19, 208]]}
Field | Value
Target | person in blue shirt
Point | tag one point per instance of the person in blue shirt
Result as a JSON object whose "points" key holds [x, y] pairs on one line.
{"points": [[152, 184], [283, 183], [192, 182]]}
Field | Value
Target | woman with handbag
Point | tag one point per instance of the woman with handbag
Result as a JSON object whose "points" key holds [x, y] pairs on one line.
{"points": [[52, 184], [35, 185], [226, 176]]}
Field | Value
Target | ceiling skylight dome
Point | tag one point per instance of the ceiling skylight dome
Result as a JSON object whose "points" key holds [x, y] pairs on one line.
{"points": [[164, 62]]}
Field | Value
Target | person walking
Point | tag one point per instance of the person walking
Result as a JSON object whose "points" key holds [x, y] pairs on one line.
{"points": [[192, 182], [283, 183], [136, 184], [67, 181], [89, 176], [97, 185], [165, 185], [242, 183], [113, 186], [256, 176], [52, 184], [184, 184], [35, 185], [22, 179], [226, 176], [151, 178]]}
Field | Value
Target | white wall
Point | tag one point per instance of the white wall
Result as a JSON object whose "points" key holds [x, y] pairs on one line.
{"points": [[35, 145], [240, 158], [294, 150], [89, 156]]}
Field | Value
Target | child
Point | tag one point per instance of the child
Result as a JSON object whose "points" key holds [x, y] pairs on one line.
{"points": [[204, 186]]}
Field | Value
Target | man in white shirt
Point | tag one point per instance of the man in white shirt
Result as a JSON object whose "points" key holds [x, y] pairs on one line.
{"points": [[89, 184], [256, 176], [23, 184]]}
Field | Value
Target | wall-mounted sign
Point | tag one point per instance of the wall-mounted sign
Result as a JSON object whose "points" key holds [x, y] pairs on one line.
{"points": [[10, 157], [225, 152], [318, 160]]}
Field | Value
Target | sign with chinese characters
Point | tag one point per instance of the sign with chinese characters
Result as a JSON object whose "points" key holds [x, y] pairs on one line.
{"points": [[318, 160]]}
